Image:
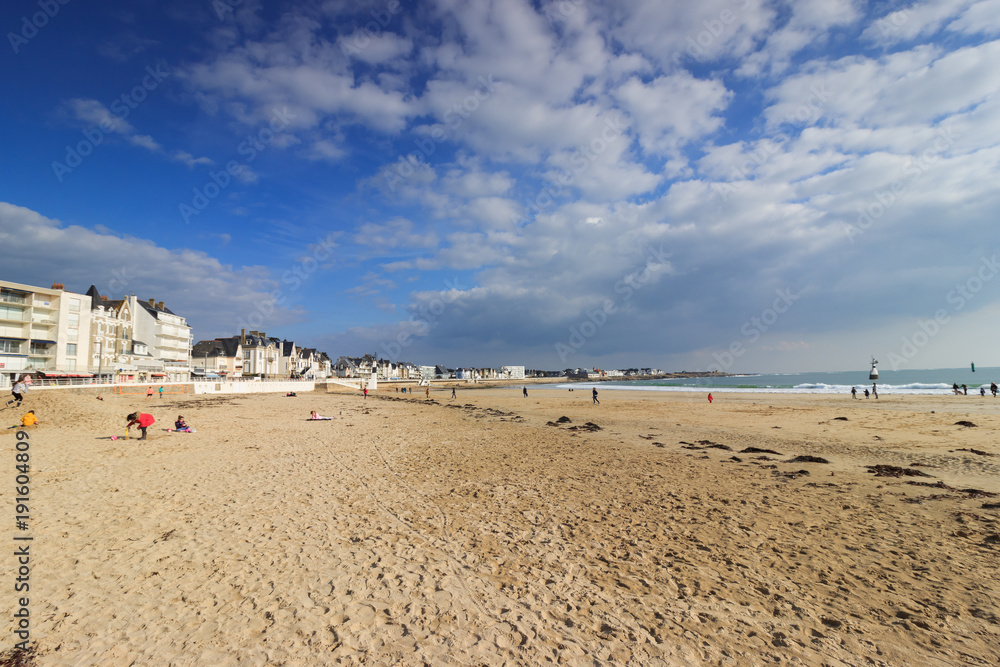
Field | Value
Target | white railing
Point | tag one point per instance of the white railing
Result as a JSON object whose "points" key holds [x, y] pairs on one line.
{"points": [[262, 387]]}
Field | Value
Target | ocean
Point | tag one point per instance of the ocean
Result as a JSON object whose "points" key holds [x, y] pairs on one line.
{"points": [[925, 381]]}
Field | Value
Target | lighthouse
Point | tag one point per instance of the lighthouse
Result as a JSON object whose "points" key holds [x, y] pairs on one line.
{"points": [[873, 374]]}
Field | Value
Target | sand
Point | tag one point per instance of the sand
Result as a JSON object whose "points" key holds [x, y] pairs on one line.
{"points": [[482, 531]]}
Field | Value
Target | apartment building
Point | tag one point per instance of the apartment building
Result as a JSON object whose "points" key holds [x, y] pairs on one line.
{"points": [[168, 337], [45, 331]]}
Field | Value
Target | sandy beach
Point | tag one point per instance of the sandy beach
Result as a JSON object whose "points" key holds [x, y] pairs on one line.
{"points": [[492, 529]]}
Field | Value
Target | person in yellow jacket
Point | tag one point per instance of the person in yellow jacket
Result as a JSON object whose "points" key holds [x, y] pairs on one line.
{"points": [[29, 419]]}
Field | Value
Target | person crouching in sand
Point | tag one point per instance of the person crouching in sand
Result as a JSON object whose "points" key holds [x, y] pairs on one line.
{"points": [[143, 420], [29, 419]]}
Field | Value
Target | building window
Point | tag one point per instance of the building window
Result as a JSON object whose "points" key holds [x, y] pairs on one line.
{"points": [[70, 349], [74, 305], [72, 334], [10, 346], [11, 313], [71, 364], [73, 320]]}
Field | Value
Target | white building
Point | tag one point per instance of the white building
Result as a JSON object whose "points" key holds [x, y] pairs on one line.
{"points": [[261, 355], [512, 372], [43, 330], [168, 338]]}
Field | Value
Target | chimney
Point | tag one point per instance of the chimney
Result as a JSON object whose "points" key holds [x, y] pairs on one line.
{"points": [[58, 286], [159, 304], [152, 303], [243, 336]]}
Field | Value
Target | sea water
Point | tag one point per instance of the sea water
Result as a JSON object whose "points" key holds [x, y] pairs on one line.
{"points": [[926, 381]]}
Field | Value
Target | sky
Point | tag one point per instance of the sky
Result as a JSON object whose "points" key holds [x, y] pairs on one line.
{"points": [[730, 185]]}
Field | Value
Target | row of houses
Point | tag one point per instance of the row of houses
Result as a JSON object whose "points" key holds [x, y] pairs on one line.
{"points": [[370, 365], [56, 333], [598, 374], [256, 354]]}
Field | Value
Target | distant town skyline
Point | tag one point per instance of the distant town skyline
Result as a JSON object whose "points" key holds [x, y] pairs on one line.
{"points": [[731, 185]]}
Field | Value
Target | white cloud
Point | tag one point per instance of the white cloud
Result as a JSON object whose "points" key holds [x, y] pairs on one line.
{"points": [[95, 114], [145, 141], [393, 234], [212, 296], [326, 150], [917, 20], [673, 110], [375, 48], [980, 18], [190, 160]]}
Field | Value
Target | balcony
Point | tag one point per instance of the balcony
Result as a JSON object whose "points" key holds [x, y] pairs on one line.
{"points": [[37, 303], [10, 297]]}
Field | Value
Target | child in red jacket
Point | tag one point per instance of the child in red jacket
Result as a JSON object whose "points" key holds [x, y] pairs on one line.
{"points": [[143, 420]]}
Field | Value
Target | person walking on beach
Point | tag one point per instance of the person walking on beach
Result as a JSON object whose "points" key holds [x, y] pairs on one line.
{"points": [[149, 392], [525, 390], [366, 393], [710, 399], [453, 395], [143, 420], [427, 393], [993, 389], [982, 392], [596, 402], [17, 391], [854, 392], [965, 390], [874, 390], [161, 393]]}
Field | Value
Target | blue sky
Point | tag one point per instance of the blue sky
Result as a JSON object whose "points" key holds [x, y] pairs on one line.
{"points": [[735, 185]]}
